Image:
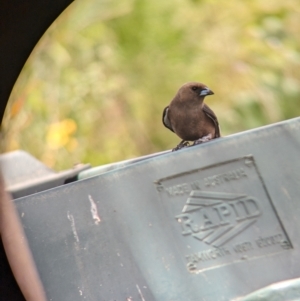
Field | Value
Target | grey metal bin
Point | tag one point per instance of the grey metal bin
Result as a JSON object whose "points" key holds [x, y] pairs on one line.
{"points": [[212, 222]]}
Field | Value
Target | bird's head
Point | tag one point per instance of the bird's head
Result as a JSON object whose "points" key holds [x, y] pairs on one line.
{"points": [[194, 91]]}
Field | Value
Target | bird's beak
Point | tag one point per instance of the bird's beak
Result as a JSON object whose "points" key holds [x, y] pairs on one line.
{"points": [[206, 91]]}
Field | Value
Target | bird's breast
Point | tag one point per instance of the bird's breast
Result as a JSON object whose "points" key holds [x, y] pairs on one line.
{"points": [[191, 123]]}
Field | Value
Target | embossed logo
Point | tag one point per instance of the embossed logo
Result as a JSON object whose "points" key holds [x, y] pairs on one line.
{"points": [[215, 218], [223, 214]]}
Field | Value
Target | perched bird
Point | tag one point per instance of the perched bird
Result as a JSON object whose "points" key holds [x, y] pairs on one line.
{"points": [[189, 117]]}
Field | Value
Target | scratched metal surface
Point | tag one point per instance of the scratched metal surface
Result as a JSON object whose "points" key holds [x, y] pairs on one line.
{"points": [[212, 222]]}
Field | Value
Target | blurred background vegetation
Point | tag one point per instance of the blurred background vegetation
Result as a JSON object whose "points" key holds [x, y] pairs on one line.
{"points": [[94, 88]]}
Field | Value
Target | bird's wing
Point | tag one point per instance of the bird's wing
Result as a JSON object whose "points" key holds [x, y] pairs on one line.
{"points": [[165, 119], [213, 117]]}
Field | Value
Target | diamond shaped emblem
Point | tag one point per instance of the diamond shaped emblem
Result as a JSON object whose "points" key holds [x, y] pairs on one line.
{"points": [[217, 217]]}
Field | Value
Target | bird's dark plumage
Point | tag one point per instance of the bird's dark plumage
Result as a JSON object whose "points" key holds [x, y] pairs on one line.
{"points": [[189, 118]]}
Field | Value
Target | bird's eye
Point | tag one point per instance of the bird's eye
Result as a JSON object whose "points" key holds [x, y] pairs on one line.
{"points": [[194, 88]]}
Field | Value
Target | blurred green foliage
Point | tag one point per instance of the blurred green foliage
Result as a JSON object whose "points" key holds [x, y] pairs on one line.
{"points": [[94, 88]]}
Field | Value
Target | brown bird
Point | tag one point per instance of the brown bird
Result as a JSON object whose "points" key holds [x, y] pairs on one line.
{"points": [[189, 117]]}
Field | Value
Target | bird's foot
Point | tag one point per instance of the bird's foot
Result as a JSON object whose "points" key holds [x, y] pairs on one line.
{"points": [[203, 139], [181, 145]]}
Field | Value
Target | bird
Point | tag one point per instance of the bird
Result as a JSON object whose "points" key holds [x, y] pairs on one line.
{"points": [[189, 117]]}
